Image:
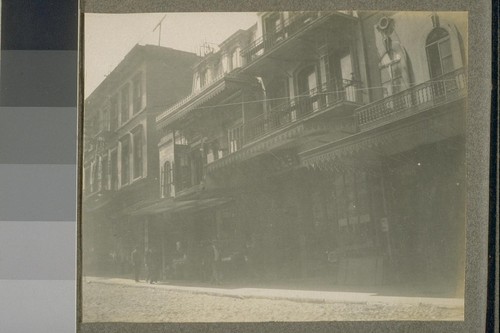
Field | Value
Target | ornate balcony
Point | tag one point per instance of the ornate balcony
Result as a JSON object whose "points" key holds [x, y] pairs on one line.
{"points": [[428, 95], [299, 116], [326, 96]]}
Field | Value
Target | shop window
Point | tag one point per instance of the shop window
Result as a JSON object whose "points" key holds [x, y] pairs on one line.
{"points": [[125, 104], [137, 93], [125, 160], [352, 203], [138, 152], [439, 55]]}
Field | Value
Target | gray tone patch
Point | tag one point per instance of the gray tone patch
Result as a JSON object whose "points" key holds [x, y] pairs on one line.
{"points": [[37, 250], [38, 135], [37, 192], [38, 78], [37, 306]]}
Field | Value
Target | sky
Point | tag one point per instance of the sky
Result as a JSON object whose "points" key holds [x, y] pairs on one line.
{"points": [[109, 37]]}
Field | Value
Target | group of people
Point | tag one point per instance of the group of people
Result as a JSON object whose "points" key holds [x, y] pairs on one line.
{"points": [[152, 260]]}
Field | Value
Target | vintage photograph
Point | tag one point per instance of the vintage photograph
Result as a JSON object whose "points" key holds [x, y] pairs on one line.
{"points": [[274, 166]]}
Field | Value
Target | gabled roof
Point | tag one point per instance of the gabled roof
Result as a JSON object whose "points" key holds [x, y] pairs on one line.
{"points": [[135, 57]]}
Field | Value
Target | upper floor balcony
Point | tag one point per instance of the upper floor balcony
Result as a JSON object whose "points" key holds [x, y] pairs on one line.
{"points": [[422, 97], [212, 87], [325, 97], [299, 116], [297, 25]]}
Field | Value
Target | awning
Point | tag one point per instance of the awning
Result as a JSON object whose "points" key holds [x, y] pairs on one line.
{"points": [[173, 206]]}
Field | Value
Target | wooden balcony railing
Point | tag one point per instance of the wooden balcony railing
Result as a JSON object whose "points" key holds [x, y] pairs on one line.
{"points": [[316, 100], [441, 90]]}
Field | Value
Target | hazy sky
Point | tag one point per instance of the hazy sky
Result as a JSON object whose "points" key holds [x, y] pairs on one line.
{"points": [[109, 37]]}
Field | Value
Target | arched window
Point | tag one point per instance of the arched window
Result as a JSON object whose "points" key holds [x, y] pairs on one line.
{"points": [[391, 73], [439, 55]]}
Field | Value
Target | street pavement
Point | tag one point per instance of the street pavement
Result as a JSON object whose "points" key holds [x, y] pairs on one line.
{"points": [[310, 296]]}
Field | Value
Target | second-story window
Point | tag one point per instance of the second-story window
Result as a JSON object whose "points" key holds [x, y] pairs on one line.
{"points": [[168, 179], [113, 117], [235, 137], [391, 73], [307, 89], [113, 170], [125, 160], [137, 93], [138, 148], [125, 104], [439, 55]]}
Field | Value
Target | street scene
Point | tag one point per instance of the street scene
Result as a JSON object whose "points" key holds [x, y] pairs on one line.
{"points": [[274, 166]]}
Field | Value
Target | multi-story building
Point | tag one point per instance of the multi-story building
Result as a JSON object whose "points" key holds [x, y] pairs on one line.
{"points": [[322, 144], [120, 162]]}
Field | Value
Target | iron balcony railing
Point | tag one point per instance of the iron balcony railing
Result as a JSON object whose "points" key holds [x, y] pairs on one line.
{"points": [[441, 90], [285, 30], [315, 100]]}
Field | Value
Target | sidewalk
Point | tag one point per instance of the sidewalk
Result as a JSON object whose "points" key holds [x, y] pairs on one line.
{"points": [[291, 295]]}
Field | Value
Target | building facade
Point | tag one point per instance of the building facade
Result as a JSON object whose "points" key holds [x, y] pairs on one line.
{"points": [[325, 145], [120, 163]]}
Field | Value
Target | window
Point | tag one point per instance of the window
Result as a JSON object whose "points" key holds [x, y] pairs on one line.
{"points": [[272, 23], [203, 78], [438, 49], [113, 117], [235, 59], [235, 136], [351, 198], [104, 173], [391, 73], [125, 104], [168, 179], [137, 142], [125, 158], [114, 170], [308, 86], [137, 93]]}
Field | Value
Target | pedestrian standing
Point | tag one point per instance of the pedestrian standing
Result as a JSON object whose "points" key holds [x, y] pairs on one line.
{"points": [[215, 262], [136, 262]]}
